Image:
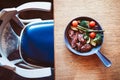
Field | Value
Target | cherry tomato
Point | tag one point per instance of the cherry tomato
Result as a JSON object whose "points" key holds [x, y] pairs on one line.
{"points": [[74, 23], [92, 35], [92, 24]]}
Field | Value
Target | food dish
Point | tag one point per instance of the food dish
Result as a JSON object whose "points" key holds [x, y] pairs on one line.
{"points": [[83, 35]]}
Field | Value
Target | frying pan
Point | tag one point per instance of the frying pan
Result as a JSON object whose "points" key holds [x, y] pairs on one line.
{"points": [[95, 50], [36, 49]]}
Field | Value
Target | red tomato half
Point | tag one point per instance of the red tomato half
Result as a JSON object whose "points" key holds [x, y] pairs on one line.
{"points": [[92, 24], [74, 23], [92, 35]]}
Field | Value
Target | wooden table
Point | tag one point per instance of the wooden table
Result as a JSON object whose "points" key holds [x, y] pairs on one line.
{"points": [[72, 67]]}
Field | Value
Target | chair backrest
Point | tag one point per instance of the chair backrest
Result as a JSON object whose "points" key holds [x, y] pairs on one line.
{"points": [[9, 41]]}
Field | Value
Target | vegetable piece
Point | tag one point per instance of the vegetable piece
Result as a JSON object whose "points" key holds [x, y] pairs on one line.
{"points": [[88, 41], [93, 43], [92, 35], [74, 23], [92, 24], [84, 23], [88, 30], [86, 36], [74, 28], [98, 39]]}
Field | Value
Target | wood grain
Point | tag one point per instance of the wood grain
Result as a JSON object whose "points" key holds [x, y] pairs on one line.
{"points": [[72, 67]]}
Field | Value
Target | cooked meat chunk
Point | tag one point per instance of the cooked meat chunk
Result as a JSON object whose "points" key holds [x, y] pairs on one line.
{"points": [[81, 39], [80, 36], [73, 43], [75, 36], [79, 45], [86, 48], [74, 40], [71, 33]]}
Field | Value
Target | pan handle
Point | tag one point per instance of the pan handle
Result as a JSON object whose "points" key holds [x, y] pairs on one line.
{"points": [[104, 60]]}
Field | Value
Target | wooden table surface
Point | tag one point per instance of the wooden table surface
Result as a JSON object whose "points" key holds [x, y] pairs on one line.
{"points": [[72, 67]]}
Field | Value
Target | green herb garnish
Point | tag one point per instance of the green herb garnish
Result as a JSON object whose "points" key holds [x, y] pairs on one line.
{"points": [[88, 30], [84, 23]]}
